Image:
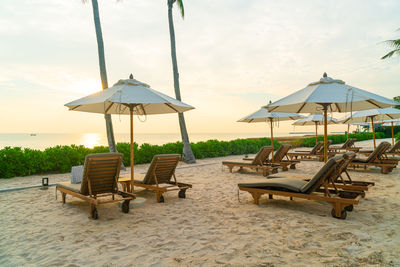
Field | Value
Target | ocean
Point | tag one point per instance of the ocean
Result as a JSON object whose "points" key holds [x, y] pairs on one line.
{"points": [[90, 140]]}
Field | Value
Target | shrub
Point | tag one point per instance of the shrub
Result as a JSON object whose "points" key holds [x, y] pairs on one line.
{"points": [[20, 162]]}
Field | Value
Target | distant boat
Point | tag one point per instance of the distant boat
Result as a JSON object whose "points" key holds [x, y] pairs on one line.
{"points": [[33, 134]]}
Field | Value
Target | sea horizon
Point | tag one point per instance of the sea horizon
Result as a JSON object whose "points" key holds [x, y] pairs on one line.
{"points": [[45, 140]]}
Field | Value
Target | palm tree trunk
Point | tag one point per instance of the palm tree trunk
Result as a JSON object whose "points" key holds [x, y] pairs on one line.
{"points": [[188, 155], [103, 73]]}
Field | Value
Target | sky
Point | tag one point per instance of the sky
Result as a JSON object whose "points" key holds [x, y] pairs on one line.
{"points": [[233, 57]]}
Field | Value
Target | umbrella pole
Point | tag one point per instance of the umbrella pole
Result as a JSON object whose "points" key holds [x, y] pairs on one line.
{"points": [[348, 130], [373, 131], [272, 139], [392, 135], [325, 108], [316, 132], [132, 159]]}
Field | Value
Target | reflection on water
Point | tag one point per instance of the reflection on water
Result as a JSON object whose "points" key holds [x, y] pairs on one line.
{"points": [[90, 140]]}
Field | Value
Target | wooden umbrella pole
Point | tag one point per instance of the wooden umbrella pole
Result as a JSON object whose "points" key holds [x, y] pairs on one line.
{"points": [[272, 139], [316, 132], [373, 131], [325, 108], [348, 130], [132, 159], [392, 135]]}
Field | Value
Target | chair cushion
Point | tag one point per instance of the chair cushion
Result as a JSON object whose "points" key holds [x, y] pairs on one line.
{"points": [[358, 160], [290, 184], [72, 187]]}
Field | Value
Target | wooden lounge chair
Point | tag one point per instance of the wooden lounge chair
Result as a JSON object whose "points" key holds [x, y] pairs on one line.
{"points": [[159, 177], [315, 189], [337, 180], [316, 152], [347, 146], [258, 162], [99, 180], [278, 158], [281, 154], [377, 159], [392, 151]]}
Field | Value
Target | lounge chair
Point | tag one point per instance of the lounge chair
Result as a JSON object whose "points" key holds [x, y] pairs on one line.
{"points": [[316, 152], [159, 177], [377, 159], [392, 151], [278, 158], [280, 155], [315, 189], [258, 162], [337, 180], [347, 146], [99, 180]]}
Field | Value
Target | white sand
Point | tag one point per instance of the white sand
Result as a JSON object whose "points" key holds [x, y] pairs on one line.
{"points": [[208, 228]]}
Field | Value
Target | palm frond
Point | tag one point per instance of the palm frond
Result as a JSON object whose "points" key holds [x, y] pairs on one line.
{"points": [[181, 8], [388, 55], [393, 43]]}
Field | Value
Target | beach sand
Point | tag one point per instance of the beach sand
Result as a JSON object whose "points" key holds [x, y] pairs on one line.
{"points": [[208, 228]]}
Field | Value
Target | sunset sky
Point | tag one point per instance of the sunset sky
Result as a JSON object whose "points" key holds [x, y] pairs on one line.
{"points": [[233, 57]]}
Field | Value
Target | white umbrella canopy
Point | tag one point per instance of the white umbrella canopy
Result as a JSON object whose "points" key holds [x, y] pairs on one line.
{"points": [[330, 94], [125, 93], [314, 119], [373, 115], [262, 115], [129, 97]]}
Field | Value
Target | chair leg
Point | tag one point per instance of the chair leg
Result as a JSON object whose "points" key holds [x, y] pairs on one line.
{"points": [[270, 196], [160, 197], [256, 197], [63, 196]]}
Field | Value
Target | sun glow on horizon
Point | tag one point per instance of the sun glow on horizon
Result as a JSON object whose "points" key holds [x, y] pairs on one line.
{"points": [[90, 140]]}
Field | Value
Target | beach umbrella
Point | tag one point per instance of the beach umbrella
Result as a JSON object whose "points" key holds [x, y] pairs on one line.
{"points": [[329, 94], [394, 122], [314, 119], [262, 115], [129, 97], [372, 115]]}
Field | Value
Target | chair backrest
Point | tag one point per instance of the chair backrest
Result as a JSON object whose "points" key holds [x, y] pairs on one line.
{"points": [[343, 162], [281, 152], [395, 148], [100, 173], [317, 147], [320, 177], [321, 151], [346, 143], [377, 153], [162, 168], [351, 142], [262, 155]]}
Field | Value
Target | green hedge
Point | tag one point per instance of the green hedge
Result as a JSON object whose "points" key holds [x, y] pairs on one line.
{"points": [[16, 161], [387, 130], [336, 139]]}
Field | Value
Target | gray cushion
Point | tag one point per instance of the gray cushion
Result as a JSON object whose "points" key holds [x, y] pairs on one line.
{"points": [[72, 187], [290, 184], [358, 160]]}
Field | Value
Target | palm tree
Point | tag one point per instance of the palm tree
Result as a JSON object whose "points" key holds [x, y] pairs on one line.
{"points": [[394, 44], [103, 73], [396, 51], [188, 155]]}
